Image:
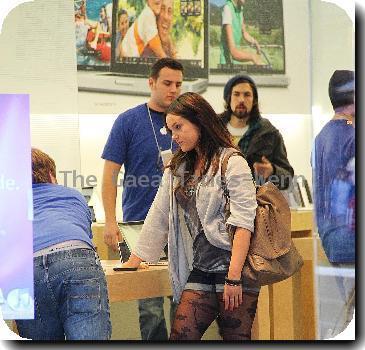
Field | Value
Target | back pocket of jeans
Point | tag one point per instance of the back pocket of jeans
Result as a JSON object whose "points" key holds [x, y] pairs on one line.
{"points": [[82, 296]]}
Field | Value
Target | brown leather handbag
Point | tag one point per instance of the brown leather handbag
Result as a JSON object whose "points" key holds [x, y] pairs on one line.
{"points": [[272, 256]]}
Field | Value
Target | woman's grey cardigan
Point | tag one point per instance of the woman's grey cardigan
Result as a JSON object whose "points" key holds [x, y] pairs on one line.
{"points": [[165, 222]]}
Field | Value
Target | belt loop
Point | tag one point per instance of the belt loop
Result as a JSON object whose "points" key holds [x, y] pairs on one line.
{"points": [[44, 261], [96, 255], [97, 259]]}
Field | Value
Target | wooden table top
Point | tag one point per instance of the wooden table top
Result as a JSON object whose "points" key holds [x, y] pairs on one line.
{"points": [[140, 284]]}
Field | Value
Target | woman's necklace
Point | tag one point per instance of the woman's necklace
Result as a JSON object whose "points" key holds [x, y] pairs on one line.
{"points": [[191, 184], [193, 179]]}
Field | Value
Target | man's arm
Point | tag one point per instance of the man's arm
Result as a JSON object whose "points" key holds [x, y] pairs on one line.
{"points": [[169, 48], [283, 170], [279, 166], [249, 38], [237, 54], [156, 46], [109, 196]]}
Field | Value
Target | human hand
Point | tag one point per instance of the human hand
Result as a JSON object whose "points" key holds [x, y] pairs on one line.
{"points": [[111, 235], [232, 296], [134, 261], [129, 264], [256, 58], [263, 168], [258, 48]]}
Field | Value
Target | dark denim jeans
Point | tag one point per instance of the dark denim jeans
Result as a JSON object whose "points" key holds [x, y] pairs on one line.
{"points": [[70, 298], [152, 320], [339, 244]]}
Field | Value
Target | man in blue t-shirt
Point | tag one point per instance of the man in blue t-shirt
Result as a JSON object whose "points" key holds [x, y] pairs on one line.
{"points": [[333, 185], [70, 291], [139, 141], [333, 163]]}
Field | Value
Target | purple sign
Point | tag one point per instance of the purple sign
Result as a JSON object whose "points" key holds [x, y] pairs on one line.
{"points": [[16, 209]]}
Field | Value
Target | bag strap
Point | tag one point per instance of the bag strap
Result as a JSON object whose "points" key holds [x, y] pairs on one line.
{"points": [[224, 166]]}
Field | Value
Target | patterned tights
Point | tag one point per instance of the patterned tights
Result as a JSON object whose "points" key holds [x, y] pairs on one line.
{"points": [[198, 309]]}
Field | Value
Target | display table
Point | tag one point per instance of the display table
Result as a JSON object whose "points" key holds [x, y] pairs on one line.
{"points": [[286, 310], [131, 285]]}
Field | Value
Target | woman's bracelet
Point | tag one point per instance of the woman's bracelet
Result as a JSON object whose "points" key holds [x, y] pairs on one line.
{"points": [[229, 282]]}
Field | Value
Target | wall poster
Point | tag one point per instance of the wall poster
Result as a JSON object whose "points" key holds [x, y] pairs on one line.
{"points": [[246, 36]]}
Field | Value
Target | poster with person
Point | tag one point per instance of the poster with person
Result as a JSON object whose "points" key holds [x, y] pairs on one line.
{"points": [[93, 33], [246, 36], [163, 28]]}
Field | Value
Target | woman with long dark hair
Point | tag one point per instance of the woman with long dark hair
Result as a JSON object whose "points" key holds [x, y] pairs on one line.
{"points": [[206, 250]]}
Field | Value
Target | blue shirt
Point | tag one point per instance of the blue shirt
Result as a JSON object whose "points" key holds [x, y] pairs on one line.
{"points": [[334, 189], [60, 214], [132, 142]]}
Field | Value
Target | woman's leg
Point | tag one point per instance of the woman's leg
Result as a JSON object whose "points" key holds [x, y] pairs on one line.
{"points": [[236, 324], [196, 311]]}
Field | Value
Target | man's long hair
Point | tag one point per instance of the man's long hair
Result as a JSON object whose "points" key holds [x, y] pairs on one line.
{"points": [[213, 133], [255, 112]]}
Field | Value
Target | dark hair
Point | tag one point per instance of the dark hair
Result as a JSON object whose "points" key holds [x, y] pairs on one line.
{"points": [[213, 133], [165, 62], [122, 12], [341, 88], [255, 112], [42, 166]]}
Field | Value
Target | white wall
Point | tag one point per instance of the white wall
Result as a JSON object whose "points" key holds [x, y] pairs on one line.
{"points": [[94, 131], [333, 47], [58, 135], [37, 46]]}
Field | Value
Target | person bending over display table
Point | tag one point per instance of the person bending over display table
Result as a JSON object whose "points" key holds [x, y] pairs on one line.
{"points": [[70, 291]]}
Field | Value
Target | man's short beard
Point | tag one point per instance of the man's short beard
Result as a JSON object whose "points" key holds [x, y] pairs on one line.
{"points": [[241, 115]]}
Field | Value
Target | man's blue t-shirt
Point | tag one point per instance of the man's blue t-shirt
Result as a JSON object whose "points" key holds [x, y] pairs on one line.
{"points": [[132, 142], [60, 214], [334, 189]]}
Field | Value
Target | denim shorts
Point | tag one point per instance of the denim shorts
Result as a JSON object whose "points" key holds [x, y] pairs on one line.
{"points": [[70, 298], [212, 282]]}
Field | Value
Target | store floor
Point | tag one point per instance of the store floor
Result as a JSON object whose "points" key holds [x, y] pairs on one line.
{"points": [[331, 306], [125, 325]]}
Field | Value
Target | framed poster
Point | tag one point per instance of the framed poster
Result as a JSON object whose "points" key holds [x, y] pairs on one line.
{"points": [[247, 37], [182, 28], [93, 31]]}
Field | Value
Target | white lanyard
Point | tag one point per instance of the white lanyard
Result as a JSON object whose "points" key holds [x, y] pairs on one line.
{"points": [[154, 133]]}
